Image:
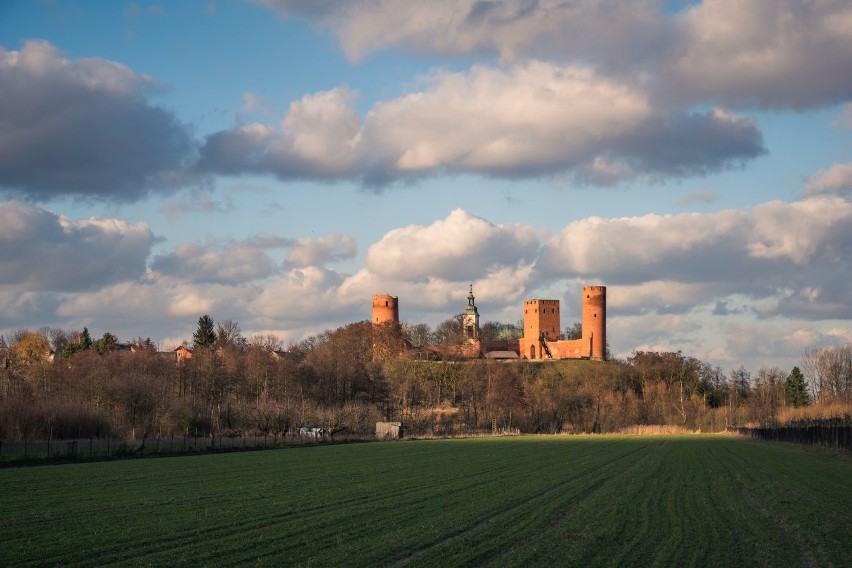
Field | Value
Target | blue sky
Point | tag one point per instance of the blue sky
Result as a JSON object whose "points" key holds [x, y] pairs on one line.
{"points": [[277, 162]]}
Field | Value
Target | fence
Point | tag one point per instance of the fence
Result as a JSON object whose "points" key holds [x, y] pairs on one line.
{"points": [[100, 448], [829, 433]]}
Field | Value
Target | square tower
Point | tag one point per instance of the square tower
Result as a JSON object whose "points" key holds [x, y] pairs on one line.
{"points": [[541, 319]]}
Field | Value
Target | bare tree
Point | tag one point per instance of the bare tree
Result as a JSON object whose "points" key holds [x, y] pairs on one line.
{"points": [[574, 331], [829, 372], [268, 342], [228, 333]]}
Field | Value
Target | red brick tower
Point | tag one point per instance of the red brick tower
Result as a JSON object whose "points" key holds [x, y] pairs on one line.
{"points": [[541, 319], [385, 309], [594, 319]]}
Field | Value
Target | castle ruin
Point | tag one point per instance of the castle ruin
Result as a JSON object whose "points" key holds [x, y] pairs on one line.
{"points": [[542, 325]]}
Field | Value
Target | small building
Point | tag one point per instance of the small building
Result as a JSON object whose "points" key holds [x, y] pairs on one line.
{"points": [[182, 353], [388, 430]]}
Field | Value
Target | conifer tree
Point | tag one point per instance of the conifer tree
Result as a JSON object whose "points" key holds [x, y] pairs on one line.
{"points": [[796, 389], [205, 335], [85, 339]]}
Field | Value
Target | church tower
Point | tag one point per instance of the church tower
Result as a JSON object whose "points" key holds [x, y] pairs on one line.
{"points": [[470, 319]]}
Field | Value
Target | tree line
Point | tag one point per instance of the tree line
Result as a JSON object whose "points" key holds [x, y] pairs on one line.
{"points": [[59, 384]]}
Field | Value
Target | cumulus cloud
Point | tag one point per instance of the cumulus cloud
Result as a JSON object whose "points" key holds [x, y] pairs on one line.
{"points": [[305, 293], [228, 262], [836, 179], [458, 248], [794, 255], [156, 305], [317, 252], [766, 53], [318, 138], [526, 120], [43, 251], [84, 128]]}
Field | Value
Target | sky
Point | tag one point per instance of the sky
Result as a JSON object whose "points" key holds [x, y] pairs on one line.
{"points": [[278, 162]]}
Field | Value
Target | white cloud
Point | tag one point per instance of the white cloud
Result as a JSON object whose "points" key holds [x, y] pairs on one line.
{"points": [[676, 246], [301, 294], [836, 179], [318, 137], [791, 258], [532, 116], [317, 252], [767, 53], [527, 120], [458, 248], [662, 296], [228, 262]]}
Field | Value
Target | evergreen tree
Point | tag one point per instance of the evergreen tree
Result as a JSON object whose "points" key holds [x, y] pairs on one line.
{"points": [[106, 343], [205, 335], [85, 339], [796, 389]]}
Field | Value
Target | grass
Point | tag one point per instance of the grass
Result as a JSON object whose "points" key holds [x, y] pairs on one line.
{"points": [[696, 500]]}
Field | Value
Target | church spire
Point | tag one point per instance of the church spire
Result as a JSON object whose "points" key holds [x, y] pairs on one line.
{"points": [[470, 319]]}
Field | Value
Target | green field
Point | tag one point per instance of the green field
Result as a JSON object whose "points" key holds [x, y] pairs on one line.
{"points": [[531, 501]]}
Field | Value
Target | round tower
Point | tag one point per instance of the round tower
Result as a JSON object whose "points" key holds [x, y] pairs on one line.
{"points": [[385, 309], [594, 319]]}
